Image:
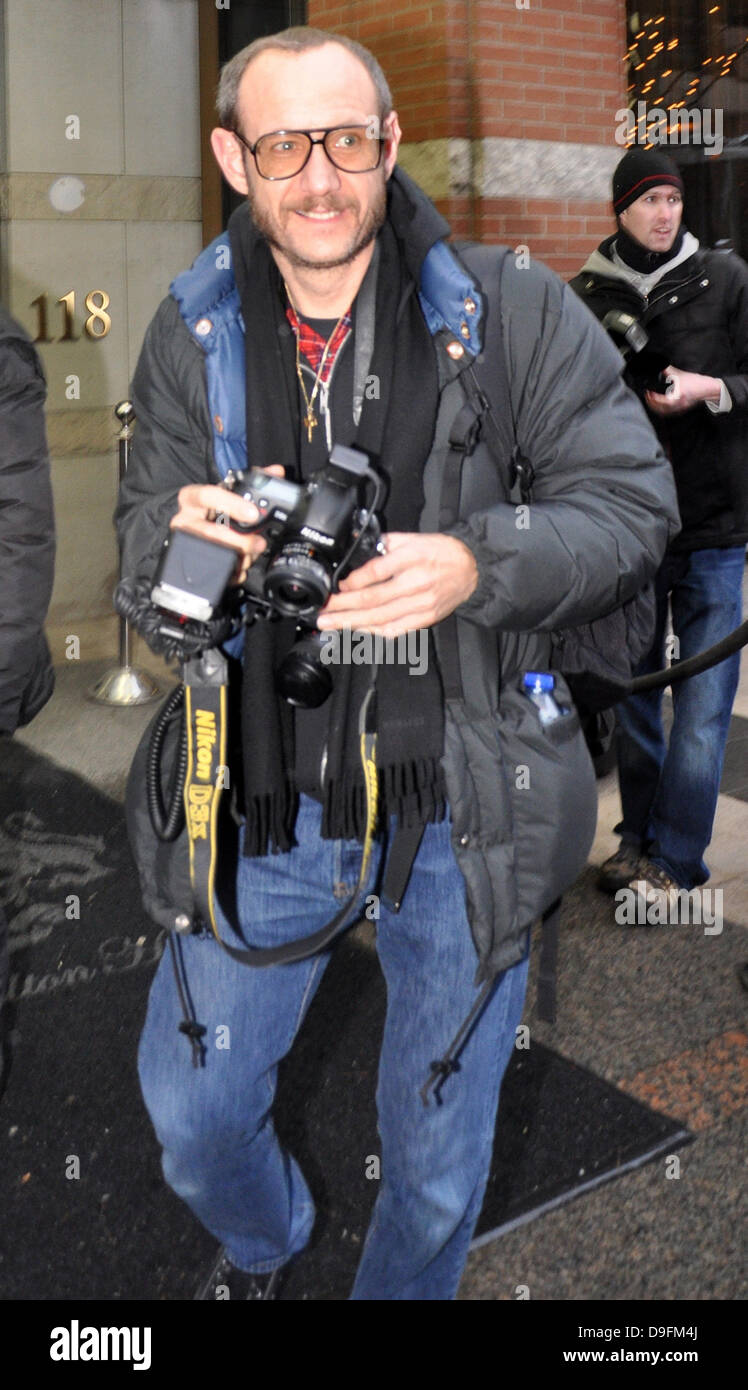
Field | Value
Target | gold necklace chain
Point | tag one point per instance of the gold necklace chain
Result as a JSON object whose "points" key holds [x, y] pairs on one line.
{"points": [[311, 420]]}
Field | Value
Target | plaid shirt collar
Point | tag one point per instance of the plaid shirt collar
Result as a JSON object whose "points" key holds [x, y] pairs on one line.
{"points": [[312, 344]]}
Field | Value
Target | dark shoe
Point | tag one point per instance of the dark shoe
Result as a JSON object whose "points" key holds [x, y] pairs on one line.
{"points": [[654, 887], [225, 1281], [618, 871], [655, 879]]}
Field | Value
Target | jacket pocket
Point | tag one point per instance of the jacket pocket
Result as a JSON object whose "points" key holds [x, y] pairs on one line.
{"points": [[552, 794]]}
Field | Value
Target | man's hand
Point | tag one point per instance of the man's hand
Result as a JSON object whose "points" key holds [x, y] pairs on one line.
{"points": [[419, 581], [200, 504], [688, 390]]}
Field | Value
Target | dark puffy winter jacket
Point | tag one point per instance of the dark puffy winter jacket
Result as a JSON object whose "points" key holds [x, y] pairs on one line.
{"points": [[697, 320], [27, 537], [522, 797]]}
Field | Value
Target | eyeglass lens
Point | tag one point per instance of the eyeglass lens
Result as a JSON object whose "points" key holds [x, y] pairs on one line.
{"points": [[282, 155]]}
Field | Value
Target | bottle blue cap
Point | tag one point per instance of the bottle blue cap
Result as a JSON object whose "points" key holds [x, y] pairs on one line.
{"points": [[539, 680]]}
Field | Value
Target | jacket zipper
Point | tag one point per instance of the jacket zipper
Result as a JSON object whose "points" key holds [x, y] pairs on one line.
{"points": [[649, 301]]}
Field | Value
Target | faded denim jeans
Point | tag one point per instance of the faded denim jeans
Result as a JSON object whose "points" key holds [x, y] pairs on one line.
{"points": [[669, 789], [220, 1150]]}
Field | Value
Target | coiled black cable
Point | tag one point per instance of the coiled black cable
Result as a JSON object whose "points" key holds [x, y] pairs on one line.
{"points": [[170, 636], [681, 670], [167, 821]]}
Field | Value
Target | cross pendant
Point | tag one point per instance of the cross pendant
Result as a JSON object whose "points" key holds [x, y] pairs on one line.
{"points": [[311, 424]]}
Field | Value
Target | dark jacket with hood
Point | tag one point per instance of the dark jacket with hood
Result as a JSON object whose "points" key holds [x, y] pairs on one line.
{"points": [[697, 319], [27, 536], [522, 799]]}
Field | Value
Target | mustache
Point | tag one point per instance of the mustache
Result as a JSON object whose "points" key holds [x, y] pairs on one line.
{"points": [[329, 204]]}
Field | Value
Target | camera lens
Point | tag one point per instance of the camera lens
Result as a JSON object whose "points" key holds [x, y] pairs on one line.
{"points": [[302, 678], [292, 593], [297, 583]]}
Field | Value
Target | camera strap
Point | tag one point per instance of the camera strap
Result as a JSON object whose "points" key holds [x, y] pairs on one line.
{"points": [[205, 693], [205, 701]]}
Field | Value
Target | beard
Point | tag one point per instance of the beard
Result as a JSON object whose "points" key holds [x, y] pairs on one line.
{"points": [[268, 226]]}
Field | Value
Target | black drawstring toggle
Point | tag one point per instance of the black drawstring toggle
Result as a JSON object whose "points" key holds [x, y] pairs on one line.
{"points": [[192, 1029], [438, 1073]]}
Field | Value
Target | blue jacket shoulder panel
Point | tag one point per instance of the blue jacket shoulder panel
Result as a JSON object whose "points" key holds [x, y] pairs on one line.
{"points": [[209, 304], [449, 298], [203, 288]]}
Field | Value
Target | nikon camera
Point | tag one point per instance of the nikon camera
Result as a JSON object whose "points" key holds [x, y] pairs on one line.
{"points": [[315, 534]]}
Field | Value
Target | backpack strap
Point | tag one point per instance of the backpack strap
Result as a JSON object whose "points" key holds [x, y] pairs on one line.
{"points": [[467, 428], [464, 433], [489, 373], [492, 414]]}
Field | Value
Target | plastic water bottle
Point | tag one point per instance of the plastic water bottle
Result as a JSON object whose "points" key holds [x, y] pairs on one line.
{"points": [[539, 687]]}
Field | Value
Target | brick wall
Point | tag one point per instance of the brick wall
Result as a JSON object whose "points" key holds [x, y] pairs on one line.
{"points": [[488, 70], [409, 40], [550, 72], [559, 231]]}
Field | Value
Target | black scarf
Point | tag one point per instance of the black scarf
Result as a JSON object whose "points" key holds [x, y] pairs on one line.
{"points": [[397, 430], [639, 258]]}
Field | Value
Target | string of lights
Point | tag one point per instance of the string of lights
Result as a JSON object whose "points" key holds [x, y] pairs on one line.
{"points": [[652, 58]]}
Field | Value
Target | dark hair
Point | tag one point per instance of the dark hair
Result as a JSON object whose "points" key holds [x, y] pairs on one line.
{"points": [[295, 40]]}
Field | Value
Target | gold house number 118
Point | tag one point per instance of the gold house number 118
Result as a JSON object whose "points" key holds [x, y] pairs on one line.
{"points": [[97, 324]]}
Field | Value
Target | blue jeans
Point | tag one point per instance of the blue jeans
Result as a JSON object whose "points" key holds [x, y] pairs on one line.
{"points": [[669, 793], [220, 1151]]}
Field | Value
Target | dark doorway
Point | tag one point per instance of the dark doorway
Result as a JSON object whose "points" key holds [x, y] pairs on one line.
{"points": [[244, 21]]}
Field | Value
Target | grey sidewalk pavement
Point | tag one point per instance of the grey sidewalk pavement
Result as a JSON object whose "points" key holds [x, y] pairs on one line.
{"points": [[659, 1011]]}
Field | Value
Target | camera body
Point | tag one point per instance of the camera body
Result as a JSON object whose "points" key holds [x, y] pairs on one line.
{"points": [[646, 369], [315, 532]]}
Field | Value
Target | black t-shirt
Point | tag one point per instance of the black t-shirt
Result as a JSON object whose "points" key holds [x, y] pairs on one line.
{"points": [[312, 724], [340, 385]]}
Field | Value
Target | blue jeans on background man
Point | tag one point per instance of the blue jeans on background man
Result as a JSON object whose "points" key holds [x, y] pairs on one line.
{"points": [[669, 792], [220, 1151]]}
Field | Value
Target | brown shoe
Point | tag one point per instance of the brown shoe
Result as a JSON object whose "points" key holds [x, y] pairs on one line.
{"points": [[618, 871], [655, 885]]}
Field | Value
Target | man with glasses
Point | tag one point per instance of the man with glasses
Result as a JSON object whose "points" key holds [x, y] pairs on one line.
{"points": [[345, 318]]}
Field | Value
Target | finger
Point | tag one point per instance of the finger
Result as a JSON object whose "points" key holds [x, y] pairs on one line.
{"points": [[201, 503], [372, 614], [395, 540], [374, 595], [376, 571]]}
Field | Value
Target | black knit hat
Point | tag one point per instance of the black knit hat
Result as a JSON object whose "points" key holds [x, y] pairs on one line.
{"points": [[640, 170]]}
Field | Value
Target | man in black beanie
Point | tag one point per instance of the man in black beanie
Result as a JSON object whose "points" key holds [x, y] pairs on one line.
{"points": [[690, 367]]}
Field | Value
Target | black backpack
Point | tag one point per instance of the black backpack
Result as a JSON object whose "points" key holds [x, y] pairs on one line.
{"points": [[598, 659]]}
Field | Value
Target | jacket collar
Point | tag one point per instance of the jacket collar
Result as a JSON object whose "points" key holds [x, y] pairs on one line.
{"points": [[449, 296], [450, 299], [601, 263]]}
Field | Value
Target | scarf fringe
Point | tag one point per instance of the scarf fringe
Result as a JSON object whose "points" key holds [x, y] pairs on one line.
{"points": [[269, 825], [412, 791]]}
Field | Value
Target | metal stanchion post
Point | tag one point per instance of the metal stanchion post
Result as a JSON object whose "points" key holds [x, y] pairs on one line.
{"points": [[125, 684]]}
